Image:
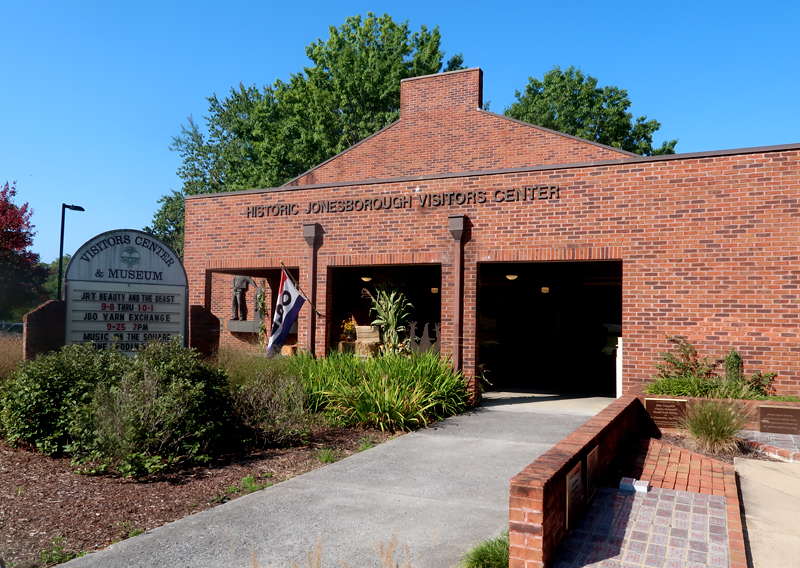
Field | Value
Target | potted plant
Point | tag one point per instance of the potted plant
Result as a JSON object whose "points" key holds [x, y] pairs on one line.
{"points": [[348, 330]]}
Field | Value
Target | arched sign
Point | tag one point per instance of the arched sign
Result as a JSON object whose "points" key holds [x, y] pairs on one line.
{"points": [[127, 287]]}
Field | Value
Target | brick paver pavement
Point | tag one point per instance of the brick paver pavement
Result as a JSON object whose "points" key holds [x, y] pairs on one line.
{"points": [[783, 446], [689, 519], [663, 528]]}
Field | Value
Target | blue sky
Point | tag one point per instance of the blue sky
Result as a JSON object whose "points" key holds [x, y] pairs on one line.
{"points": [[92, 92]]}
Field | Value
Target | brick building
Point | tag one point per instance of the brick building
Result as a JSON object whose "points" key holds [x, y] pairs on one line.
{"points": [[532, 250]]}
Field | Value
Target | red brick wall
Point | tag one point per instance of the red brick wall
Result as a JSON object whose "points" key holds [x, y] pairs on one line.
{"points": [[221, 306], [708, 244], [442, 130]]}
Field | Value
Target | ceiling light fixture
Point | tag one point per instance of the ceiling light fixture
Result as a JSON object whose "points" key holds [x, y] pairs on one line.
{"points": [[545, 290], [434, 290], [511, 276], [366, 278]]}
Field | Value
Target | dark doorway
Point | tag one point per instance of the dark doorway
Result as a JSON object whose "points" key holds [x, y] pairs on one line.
{"points": [[550, 325], [420, 283]]}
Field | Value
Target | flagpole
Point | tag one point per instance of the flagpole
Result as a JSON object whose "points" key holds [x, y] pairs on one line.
{"points": [[299, 289]]}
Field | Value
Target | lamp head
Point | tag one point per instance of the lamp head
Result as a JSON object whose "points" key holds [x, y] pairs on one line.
{"points": [[74, 207]]}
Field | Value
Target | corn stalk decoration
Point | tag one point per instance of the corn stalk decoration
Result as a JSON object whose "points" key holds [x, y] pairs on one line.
{"points": [[391, 309]]}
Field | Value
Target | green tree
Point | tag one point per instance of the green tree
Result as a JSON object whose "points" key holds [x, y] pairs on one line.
{"points": [[569, 101], [50, 282], [265, 137], [201, 171], [20, 276]]}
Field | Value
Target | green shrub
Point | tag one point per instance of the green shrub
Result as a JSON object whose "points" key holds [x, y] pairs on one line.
{"points": [[734, 367], [490, 553], [715, 425], [40, 396], [166, 408], [393, 392], [732, 389], [762, 383], [685, 363], [686, 374], [270, 402], [682, 386]]}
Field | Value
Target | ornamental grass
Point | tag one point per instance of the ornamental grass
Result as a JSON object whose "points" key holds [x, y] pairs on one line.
{"points": [[392, 392], [489, 553], [10, 354], [714, 426]]}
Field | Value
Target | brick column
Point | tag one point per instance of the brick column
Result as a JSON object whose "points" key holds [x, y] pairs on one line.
{"points": [[312, 233], [457, 225]]}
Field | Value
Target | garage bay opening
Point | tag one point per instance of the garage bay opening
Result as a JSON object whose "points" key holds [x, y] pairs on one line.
{"points": [[550, 326]]}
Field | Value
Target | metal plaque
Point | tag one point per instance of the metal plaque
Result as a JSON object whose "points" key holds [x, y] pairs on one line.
{"points": [[592, 472], [666, 412], [574, 495], [779, 419]]}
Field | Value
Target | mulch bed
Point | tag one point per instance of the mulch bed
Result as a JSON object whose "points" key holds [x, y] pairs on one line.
{"points": [[42, 498], [683, 441]]}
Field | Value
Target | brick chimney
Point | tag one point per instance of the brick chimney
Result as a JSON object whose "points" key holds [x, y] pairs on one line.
{"points": [[444, 92]]}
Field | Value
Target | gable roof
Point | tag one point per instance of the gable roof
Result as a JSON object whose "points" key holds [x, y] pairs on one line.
{"points": [[442, 129]]}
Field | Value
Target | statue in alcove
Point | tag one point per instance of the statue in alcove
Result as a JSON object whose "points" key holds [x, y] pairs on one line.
{"points": [[240, 286]]}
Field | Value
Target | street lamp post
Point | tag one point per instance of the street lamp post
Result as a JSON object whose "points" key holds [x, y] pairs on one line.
{"points": [[64, 207]]}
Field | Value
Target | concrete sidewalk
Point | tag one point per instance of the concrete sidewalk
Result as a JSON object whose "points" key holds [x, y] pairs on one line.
{"points": [[771, 518], [437, 490]]}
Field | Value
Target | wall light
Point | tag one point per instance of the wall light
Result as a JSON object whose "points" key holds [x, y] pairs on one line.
{"points": [[366, 278], [434, 290], [511, 276], [545, 290]]}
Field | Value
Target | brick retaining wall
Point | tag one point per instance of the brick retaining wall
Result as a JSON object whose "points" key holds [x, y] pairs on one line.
{"points": [[538, 494], [537, 503], [44, 328]]}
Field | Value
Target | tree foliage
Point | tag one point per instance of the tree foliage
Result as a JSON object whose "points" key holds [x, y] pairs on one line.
{"points": [[50, 282], [569, 101], [20, 277], [264, 137]]}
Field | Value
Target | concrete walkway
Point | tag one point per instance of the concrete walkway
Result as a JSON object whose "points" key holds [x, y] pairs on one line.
{"points": [[438, 491], [771, 502]]}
